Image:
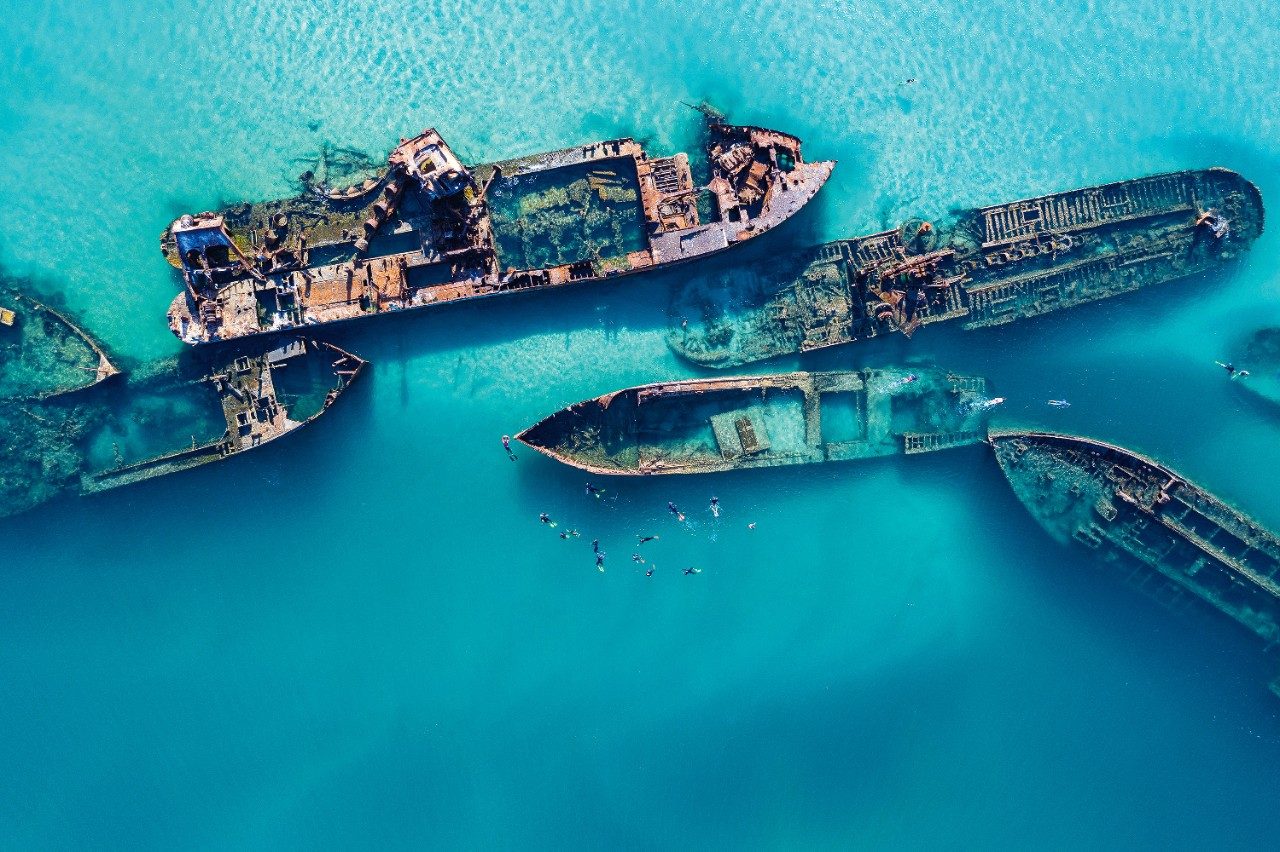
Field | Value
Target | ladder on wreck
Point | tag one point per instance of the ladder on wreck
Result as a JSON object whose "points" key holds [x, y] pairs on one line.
{"points": [[914, 443]]}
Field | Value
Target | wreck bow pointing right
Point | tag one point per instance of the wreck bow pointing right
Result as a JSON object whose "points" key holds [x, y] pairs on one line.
{"points": [[989, 266], [429, 230], [1164, 535]]}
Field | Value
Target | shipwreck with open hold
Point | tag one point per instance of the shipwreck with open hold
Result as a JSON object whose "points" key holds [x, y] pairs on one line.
{"points": [[1160, 532], [164, 419], [989, 266], [429, 230], [43, 353], [708, 425]]}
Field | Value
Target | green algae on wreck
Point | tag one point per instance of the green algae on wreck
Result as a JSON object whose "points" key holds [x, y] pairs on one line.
{"points": [[43, 352], [990, 266], [709, 425]]}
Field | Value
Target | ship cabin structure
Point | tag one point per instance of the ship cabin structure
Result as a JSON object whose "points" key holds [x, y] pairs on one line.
{"points": [[430, 230], [711, 425]]}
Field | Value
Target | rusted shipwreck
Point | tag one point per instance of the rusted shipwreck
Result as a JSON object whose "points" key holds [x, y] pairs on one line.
{"points": [[258, 399], [1162, 533], [43, 353], [989, 266], [707, 425], [429, 230]]}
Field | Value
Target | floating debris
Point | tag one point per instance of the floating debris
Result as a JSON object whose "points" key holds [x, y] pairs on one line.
{"points": [[992, 266], [430, 230], [1163, 534], [707, 425]]}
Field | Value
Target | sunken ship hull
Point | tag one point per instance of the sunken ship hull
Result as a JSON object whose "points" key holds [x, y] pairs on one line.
{"points": [[44, 354], [709, 425], [429, 230], [1160, 532], [990, 266], [257, 399], [1261, 360]]}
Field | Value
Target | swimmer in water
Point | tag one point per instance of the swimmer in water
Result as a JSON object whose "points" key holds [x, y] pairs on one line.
{"points": [[600, 562], [637, 558], [546, 519], [671, 507], [649, 573], [693, 570], [910, 377], [715, 507], [642, 539], [593, 491], [574, 533], [1059, 403], [506, 445], [595, 545], [751, 525], [1231, 370]]}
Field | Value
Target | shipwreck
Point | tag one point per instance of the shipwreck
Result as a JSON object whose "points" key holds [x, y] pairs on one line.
{"points": [[707, 425], [43, 353], [989, 266], [429, 230], [1158, 531]]}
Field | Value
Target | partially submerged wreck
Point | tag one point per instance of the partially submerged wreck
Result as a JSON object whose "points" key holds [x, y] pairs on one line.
{"points": [[257, 399], [83, 443], [707, 425], [990, 266], [1160, 532], [43, 353], [430, 230], [1257, 370]]}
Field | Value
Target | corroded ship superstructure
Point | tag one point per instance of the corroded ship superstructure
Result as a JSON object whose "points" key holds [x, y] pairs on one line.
{"points": [[991, 266], [85, 442], [43, 353], [1163, 534], [259, 399], [707, 425], [430, 230]]}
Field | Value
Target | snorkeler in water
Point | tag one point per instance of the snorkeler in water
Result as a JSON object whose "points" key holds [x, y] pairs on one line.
{"points": [[642, 539], [506, 445], [693, 570], [671, 507], [637, 558], [649, 573], [600, 562], [546, 519], [593, 491], [595, 545], [751, 525], [715, 507]]}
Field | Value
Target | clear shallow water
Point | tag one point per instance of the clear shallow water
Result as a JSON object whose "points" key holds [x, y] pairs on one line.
{"points": [[397, 652]]}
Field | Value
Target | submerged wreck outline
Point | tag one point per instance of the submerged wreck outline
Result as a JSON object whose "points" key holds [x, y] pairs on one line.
{"points": [[19, 322], [422, 234], [992, 265], [763, 421], [1171, 538]]}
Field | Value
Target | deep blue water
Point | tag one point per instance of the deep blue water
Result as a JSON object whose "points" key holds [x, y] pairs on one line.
{"points": [[361, 636]]}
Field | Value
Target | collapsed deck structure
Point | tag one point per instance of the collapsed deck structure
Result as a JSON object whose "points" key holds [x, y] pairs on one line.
{"points": [[1160, 532], [708, 425], [990, 266], [260, 398], [43, 353], [430, 230]]}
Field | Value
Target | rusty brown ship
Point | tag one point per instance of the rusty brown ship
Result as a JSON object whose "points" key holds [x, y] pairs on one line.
{"points": [[989, 266], [429, 230]]}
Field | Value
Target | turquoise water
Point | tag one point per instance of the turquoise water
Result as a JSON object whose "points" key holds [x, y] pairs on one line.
{"points": [[362, 636]]}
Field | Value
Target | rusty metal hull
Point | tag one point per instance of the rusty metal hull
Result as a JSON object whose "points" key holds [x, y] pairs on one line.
{"points": [[260, 399], [1162, 533], [429, 231], [990, 266], [710, 425]]}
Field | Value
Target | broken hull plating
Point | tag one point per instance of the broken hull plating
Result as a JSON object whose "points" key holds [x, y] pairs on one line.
{"points": [[1160, 532], [410, 239], [710, 425], [991, 266]]}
